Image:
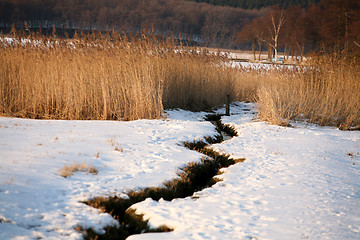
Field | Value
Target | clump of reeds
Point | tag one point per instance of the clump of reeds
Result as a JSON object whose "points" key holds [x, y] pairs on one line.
{"points": [[327, 92], [94, 77], [111, 76], [115, 77], [197, 80]]}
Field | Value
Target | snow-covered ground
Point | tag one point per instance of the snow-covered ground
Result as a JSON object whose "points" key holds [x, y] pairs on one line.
{"points": [[261, 66], [296, 183]]}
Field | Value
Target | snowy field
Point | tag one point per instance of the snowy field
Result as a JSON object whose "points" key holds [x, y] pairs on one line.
{"points": [[296, 183], [261, 66]]}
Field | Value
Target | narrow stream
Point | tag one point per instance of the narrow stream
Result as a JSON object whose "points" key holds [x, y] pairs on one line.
{"points": [[192, 178]]}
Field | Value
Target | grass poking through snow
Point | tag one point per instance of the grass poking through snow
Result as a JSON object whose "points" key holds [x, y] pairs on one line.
{"points": [[69, 170]]}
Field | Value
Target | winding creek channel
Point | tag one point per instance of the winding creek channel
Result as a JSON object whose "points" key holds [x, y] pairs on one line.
{"points": [[191, 178]]}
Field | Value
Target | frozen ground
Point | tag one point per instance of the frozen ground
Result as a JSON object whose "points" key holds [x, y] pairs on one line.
{"points": [[296, 183], [261, 66]]}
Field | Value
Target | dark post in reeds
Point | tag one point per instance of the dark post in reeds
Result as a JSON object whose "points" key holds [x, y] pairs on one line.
{"points": [[227, 105]]}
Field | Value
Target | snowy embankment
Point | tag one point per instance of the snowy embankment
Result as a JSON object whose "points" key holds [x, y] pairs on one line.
{"points": [[296, 183]]}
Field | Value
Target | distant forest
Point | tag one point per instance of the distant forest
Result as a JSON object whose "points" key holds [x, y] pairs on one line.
{"points": [[330, 25], [258, 4], [197, 22]]}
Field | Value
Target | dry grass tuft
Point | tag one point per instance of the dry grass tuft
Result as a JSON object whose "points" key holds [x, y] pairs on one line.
{"points": [[113, 143], [69, 170]]}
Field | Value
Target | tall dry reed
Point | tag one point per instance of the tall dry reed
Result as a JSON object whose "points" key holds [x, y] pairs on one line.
{"points": [[197, 80], [107, 77], [327, 93], [119, 78], [81, 79]]}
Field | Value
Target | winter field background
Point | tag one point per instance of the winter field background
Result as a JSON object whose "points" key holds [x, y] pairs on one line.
{"points": [[90, 99], [299, 182]]}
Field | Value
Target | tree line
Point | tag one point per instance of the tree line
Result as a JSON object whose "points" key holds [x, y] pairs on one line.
{"points": [[258, 4], [199, 22], [330, 26]]}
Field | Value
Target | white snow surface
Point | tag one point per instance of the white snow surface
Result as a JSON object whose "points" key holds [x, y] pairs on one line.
{"points": [[300, 182]]}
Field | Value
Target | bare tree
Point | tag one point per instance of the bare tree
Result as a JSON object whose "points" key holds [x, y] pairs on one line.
{"points": [[277, 20], [259, 34], [253, 33], [267, 29]]}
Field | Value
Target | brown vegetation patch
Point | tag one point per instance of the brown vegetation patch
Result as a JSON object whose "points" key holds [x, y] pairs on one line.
{"points": [[109, 77], [327, 93], [69, 170]]}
